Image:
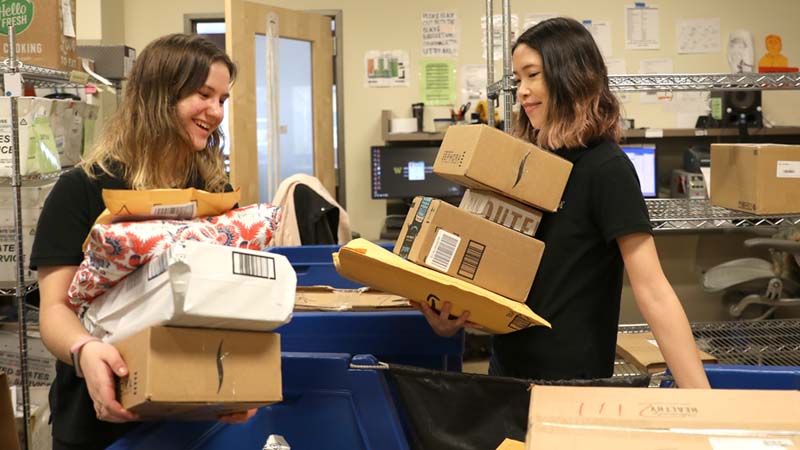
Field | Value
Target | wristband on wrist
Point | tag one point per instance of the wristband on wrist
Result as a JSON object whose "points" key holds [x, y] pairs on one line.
{"points": [[75, 352]]}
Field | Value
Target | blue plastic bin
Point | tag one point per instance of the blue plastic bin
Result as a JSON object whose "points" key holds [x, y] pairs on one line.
{"points": [[401, 337], [726, 376], [314, 265], [327, 405]]}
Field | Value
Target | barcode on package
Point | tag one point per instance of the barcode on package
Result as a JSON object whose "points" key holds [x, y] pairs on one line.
{"points": [[471, 260], [443, 250], [259, 266], [184, 211], [788, 169], [158, 265], [519, 322]]}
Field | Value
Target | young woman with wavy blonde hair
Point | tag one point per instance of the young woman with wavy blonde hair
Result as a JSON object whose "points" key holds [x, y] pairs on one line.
{"points": [[165, 135]]}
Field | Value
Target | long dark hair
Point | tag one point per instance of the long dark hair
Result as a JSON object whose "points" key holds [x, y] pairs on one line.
{"points": [[145, 137], [580, 105]]}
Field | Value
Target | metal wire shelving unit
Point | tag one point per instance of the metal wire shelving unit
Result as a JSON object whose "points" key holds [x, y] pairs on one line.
{"points": [[704, 82], [698, 214], [773, 342]]}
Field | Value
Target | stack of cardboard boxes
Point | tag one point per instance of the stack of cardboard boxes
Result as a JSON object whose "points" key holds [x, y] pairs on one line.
{"points": [[481, 257]]}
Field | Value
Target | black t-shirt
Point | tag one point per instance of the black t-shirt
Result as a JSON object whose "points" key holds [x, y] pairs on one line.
{"points": [[66, 219], [579, 281]]}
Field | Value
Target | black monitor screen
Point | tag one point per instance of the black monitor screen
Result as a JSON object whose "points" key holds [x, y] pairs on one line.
{"points": [[402, 172]]}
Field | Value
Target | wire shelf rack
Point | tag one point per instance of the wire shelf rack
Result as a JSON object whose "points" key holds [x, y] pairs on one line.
{"points": [[699, 214], [43, 76], [12, 290], [774, 342], [704, 82]]}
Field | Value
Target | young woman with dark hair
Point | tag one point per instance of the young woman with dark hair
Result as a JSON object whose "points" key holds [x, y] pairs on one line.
{"points": [[601, 228], [165, 135]]}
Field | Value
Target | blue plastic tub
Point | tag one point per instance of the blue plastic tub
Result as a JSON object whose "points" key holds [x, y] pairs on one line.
{"points": [[400, 337], [327, 405], [725, 376], [314, 265]]}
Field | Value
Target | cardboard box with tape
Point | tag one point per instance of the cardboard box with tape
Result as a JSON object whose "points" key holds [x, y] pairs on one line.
{"points": [[502, 210], [367, 263], [45, 32], [756, 178], [605, 418], [481, 157], [466, 246], [199, 374]]}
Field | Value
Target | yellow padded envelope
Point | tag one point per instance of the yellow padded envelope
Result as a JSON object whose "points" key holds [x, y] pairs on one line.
{"points": [[369, 264]]}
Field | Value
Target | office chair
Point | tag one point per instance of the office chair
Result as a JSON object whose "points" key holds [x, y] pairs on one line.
{"points": [[754, 281]]}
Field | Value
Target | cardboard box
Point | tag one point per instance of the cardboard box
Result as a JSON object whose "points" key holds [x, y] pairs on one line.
{"points": [[194, 374], [8, 430], [326, 298], [481, 157], [510, 444], [45, 32], [197, 284], [8, 244], [466, 246], [502, 210], [564, 418], [41, 363], [641, 350], [756, 178], [110, 61], [373, 266]]}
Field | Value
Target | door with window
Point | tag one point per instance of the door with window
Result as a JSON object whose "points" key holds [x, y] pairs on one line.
{"points": [[281, 114]]}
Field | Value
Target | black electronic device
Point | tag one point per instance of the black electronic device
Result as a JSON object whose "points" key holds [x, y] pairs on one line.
{"points": [[406, 172], [737, 109], [695, 157]]}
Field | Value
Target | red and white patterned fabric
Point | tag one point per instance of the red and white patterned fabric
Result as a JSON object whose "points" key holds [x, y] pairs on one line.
{"points": [[116, 250]]}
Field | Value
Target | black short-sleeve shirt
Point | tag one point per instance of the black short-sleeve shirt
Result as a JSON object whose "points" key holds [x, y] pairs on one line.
{"points": [[68, 214], [579, 282]]}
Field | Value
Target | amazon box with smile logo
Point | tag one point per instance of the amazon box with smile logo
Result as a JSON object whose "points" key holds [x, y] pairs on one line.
{"points": [[199, 373], [481, 157]]}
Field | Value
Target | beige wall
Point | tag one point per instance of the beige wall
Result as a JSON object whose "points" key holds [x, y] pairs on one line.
{"points": [[383, 25]]}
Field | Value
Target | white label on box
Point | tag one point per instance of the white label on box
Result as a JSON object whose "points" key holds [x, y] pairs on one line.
{"points": [[788, 169], [443, 250], [183, 211], [718, 443], [653, 133], [66, 17]]}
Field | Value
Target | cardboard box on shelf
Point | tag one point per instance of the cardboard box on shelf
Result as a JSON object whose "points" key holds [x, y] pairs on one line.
{"points": [[198, 284], [641, 350], [756, 178], [45, 32], [199, 374], [481, 157], [502, 210], [110, 61], [604, 418], [326, 298], [367, 263], [466, 246], [41, 363], [8, 244], [8, 431]]}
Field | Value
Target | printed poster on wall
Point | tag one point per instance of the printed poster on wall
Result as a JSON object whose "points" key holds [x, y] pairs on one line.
{"points": [[497, 36], [699, 36], [473, 83], [440, 34], [601, 32], [438, 83], [641, 27], [532, 19], [387, 68]]}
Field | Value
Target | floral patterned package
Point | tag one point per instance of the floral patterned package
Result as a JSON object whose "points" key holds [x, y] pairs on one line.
{"points": [[116, 250]]}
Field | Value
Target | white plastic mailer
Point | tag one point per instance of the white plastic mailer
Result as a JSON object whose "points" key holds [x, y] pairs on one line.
{"points": [[198, 284]]}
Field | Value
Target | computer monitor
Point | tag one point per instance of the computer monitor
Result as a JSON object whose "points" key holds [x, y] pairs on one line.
{"points": [[407, 171], [643, 158]]}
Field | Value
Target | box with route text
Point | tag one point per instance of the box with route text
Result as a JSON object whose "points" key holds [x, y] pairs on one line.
{"points": [[614, 418], [199, 373], [481, 157], [45, 32], [756, 178], [502, 210], [466, 246]]}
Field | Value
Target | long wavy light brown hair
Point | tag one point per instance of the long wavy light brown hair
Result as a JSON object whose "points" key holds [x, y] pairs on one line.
{"points": [[581, 106], [144, 139]]}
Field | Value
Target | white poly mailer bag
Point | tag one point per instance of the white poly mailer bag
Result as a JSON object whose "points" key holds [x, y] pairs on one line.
{"points": [[197, 284]]}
